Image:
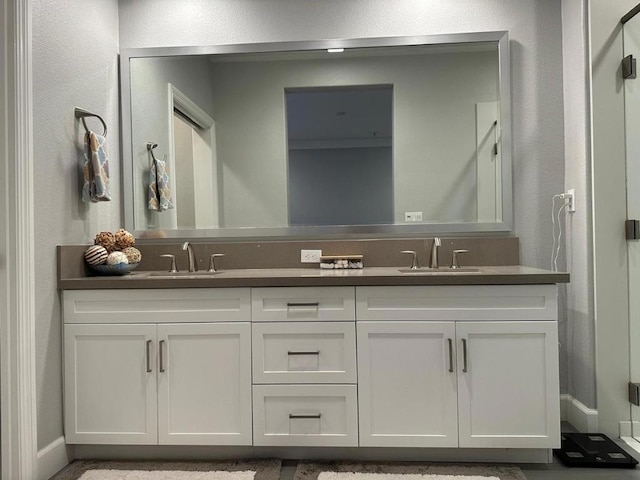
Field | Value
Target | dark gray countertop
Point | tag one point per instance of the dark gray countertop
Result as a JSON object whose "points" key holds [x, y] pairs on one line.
{"points": [[304, 277]]}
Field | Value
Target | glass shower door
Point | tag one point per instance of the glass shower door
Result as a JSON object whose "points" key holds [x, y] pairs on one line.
{"points": [[631, 39]]}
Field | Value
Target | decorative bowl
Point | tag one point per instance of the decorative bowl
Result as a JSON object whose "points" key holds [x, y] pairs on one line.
{"points": [[118, 269]]}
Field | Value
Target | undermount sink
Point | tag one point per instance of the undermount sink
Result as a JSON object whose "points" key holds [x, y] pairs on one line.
{"points": [[438, 271], [202, 274]]}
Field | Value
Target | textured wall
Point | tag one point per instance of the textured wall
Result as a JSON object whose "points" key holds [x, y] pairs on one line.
{"points": [[74, 64]]}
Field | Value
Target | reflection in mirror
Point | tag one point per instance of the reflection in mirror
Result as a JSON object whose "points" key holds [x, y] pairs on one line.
{"points": [[340, 158], [383, 138]]}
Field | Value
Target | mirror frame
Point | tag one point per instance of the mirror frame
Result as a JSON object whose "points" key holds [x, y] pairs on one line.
{"points": [[341, 231]]}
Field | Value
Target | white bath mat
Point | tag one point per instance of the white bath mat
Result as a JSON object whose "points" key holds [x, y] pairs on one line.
{"points": [[246, 469], [343, 470], [164, 475], [393, 476]]}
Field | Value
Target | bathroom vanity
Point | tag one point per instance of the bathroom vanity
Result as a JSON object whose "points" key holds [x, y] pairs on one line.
{"points": [[304, 358]]}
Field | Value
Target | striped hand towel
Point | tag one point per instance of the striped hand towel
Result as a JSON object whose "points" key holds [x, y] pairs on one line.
{"points": [[95, 169]]}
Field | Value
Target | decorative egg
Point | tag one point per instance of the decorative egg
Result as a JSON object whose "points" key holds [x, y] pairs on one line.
{"points": [[106, 240], [124, 239], [96, 255], [133, 254], [115, 258]]}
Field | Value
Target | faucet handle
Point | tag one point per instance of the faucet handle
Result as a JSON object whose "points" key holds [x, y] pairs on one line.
{"points": [[173, 261], [454, 258], [212, 261], [414, 259]]}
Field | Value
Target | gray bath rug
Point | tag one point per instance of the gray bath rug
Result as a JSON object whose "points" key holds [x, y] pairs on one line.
{"points": [[253, 469], [404, 471]]}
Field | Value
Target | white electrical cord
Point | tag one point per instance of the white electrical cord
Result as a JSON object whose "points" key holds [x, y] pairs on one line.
{"points": [[555, 249]]}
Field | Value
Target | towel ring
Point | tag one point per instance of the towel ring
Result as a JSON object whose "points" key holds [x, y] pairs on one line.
{"points": [[82, 114]]}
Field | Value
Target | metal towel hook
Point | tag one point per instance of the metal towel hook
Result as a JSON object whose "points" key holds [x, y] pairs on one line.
{"points": [[82, 114], [150, 147]]}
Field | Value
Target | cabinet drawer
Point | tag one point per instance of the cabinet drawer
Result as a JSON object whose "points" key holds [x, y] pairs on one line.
{"points": [[460, 302], [303, 304], [308, 352], [305, 415], [189, 305]]}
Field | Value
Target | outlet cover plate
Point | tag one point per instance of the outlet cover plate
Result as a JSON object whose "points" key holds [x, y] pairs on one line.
{"points": [[310, 256]]}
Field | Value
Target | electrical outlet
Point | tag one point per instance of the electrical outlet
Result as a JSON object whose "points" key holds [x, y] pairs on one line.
{"points": [[310, 256], [412, 216], [571, 195]]}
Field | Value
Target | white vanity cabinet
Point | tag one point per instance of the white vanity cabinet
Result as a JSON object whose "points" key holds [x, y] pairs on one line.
{"points": [[463, 366], [448, 366], [167, 379]]}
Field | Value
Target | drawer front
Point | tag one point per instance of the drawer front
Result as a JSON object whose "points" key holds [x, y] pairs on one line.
{"points": [[463, 302], [297, 304], [305, 415], [180, 305], [307, 352]]}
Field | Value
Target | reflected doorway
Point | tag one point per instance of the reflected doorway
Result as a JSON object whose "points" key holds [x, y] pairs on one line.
{"points": [[195, 169]]}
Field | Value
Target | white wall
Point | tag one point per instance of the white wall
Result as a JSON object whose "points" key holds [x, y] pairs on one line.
{"points": [[74, 64], [609, 212], [578, 348]]}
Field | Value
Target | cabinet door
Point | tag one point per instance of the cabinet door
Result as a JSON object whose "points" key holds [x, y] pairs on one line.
{"points": [[407, 384], [204, 384], [508, 394], [110, 384]]}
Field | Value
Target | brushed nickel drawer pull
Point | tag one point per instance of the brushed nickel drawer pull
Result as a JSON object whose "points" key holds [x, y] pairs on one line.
{"points": [[293, 415], [161, 356], [316, 352], [148, 356], [303, 304], [450, 354], [464, 355]]}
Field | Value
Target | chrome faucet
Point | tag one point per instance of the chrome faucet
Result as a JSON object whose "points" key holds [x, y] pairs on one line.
{"points": [[433, 254], [193, 265]]}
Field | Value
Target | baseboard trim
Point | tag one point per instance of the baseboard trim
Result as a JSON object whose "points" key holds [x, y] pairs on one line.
{"points": [[581, 417], [53, 458]]}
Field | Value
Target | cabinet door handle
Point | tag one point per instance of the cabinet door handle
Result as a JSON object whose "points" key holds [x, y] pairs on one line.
{"points": [[464, 355], [161, 356], [316, 415], [450, 354], [314, 352], [149, 356]]}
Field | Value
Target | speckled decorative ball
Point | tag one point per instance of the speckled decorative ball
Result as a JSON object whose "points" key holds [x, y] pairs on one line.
{"points": [[106, 240], [124, 239], [96, 255], [133, 254], [115, 258]]}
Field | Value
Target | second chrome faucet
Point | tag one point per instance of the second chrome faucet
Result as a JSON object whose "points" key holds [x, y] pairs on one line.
{"points": [[433, 253]]}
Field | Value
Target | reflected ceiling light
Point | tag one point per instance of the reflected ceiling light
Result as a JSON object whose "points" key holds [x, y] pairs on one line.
{"points": [[335, 50]]}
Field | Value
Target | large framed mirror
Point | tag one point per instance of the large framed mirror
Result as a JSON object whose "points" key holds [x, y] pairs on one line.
{"points": [[333, 138]]}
